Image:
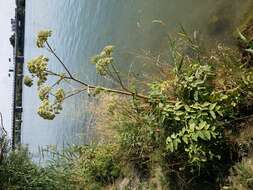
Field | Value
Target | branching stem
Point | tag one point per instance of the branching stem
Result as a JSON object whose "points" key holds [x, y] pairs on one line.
{"points": [[125, 91]]}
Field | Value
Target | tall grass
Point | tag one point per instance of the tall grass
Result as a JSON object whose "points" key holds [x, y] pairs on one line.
{"points": [[83, 167]]}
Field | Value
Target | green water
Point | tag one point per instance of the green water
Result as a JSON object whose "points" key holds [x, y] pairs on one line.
{"points": [[82, 27]]}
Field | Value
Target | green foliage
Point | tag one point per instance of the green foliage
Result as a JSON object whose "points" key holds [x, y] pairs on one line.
{"points": [[85, 167], [99, 164], [194, 120], [191, 120], [139, 138], [17, 171], [188, 124], [80, 167], [193, 83]]}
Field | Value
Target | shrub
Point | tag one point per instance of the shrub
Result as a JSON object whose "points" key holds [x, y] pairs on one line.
{"points": [[79, 167], [17, 171], [187, 117]]}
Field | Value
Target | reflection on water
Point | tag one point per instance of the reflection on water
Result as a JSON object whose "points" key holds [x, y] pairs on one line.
{"points": [[82, 27]]}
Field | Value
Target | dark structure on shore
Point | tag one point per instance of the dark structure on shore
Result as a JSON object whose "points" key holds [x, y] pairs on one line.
{"points": [[18, 58]]}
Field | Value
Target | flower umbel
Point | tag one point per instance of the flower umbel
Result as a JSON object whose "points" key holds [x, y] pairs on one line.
{"points": [[44, 92], [103, 60], [42, 38], [46, 110], [59, 95], [37, 67]]}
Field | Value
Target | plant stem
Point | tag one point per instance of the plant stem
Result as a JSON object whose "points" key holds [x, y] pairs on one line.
{"points": [[71, 77]]}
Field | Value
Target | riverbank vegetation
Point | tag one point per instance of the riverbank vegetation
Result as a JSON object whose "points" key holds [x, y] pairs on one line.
{"points": [[191, 128]]}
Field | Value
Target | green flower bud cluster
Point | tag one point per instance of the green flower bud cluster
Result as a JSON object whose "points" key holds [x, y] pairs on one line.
{"points": [[49, 110], [46, 110], [59, 98], [103, 60], [42, 38], [44, 92], [28, 81], [59, 95], [37, 67], [49, 107]]}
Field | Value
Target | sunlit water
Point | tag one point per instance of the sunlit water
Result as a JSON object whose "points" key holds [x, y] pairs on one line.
{"points": [[82, 27]]}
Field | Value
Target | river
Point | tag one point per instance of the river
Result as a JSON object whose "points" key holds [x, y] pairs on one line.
{"points": [[82, 27]]}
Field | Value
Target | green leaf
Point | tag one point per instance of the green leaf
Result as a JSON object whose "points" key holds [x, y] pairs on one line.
{"points": [[242, 37], [187, 108], [173, 136], [183, 131], [224, 97], [213, 114], [160, 105], [214, 134], [198, 82], [178, 106], [212, 106], [175, 144], [179, 113], [217, 108], [185, 139], [192, 126], [249, 50], [206, 104], [201, 135], [168, 140], [170, 147], [207, 135], [196, 96], [195, 137], [220, 113], [202, 125]]}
